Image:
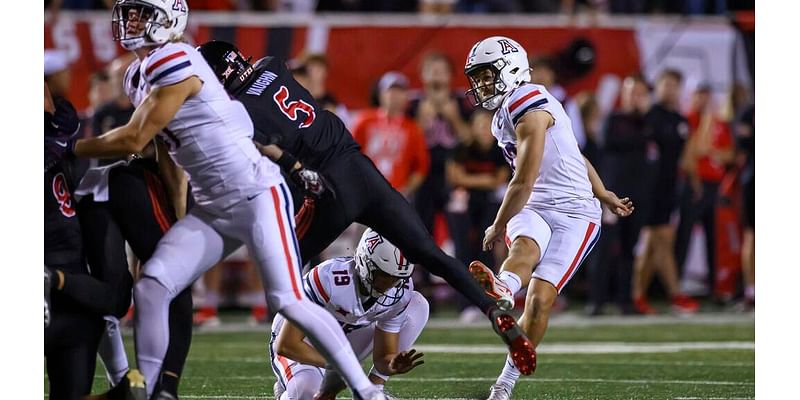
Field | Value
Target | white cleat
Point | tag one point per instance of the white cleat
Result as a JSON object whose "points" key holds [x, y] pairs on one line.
{"points": [[499, 392], [494, 287]]}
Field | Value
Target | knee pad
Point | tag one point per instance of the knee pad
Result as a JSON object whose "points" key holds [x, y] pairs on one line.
{"points": [[157, 271]]}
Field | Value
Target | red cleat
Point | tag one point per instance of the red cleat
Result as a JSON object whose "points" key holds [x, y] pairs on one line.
{"points": [[206, 317], [520, 348], [495, 288], [641, 306], [684, 304]]}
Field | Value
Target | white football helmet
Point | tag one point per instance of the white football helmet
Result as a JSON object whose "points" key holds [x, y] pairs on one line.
{"points": [[375, 253], [137, 23], [495, 66]]}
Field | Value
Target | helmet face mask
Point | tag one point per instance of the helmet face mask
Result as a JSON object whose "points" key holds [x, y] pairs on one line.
{"points": [[374, 278], [383, 272], [495, 66], [137, 23], [486, 85]]}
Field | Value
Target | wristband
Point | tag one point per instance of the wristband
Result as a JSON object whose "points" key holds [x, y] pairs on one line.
{"points": [[286, 162]]}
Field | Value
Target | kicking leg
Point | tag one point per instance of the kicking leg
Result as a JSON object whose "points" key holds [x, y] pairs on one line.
{"points": [[188, 249], [270, 238]]}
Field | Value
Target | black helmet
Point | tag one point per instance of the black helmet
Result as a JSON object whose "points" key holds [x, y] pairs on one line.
{"points": [[227, 62]]}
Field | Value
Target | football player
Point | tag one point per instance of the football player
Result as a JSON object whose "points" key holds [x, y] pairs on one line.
{"points": [[295, 132], [550, 214], [240, 196], [372, 297]]}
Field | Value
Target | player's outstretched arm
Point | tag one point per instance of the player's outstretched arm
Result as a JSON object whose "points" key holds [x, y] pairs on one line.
{"points": [[387, 358], [153, 115], [621, 207], [290, 344], [530, 130]]}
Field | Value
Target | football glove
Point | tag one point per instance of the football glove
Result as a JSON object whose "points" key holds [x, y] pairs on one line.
{"points": [[57, 148], [312, 183], [65, 119]]}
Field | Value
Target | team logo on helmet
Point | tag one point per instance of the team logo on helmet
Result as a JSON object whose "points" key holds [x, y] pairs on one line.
{"points": [[373, 242], [506, 47], [179, 6]]}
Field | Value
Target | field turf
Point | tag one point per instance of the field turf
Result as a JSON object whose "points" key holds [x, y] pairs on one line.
{"points": [[705, 357]]}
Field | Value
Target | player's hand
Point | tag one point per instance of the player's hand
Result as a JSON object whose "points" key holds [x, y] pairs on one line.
{"points": [[312, 183], [620, 207], [57, 148], [405, 361], [65, 119], [493, 234]]}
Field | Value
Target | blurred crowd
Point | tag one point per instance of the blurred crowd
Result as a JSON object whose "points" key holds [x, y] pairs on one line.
{"points": [[685, 7], [689, 169]]}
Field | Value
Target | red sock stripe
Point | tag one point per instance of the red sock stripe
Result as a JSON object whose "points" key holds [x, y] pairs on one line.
{"points": [[276, 202], [577, 258], [287, 370], [163, 223]]}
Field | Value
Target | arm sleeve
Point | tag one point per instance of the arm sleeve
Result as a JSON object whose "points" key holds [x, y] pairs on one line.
{"points": [[168, 66]]}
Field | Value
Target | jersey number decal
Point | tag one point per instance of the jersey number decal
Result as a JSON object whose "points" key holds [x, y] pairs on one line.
{"points": [[61, 192], [291, 108], [341, 278]]}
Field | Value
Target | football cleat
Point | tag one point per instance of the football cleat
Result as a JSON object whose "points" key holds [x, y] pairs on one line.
{"points": [[519, 347], [132, 387], [164, 395], [641, 306], [494, 287], [206, 317], [683, 304], [499, 392]]}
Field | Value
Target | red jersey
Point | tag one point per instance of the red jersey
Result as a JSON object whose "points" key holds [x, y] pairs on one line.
{"points": [[395, 144], [708, 169]]}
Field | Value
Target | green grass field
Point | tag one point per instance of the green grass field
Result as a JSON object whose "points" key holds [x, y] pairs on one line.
{"points": [[705, 357]]}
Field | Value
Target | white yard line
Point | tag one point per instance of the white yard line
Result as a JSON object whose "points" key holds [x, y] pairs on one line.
{"points": [[566, 347]]}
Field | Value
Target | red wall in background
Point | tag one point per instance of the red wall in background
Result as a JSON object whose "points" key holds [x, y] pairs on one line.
{"points": [[359, 55]]}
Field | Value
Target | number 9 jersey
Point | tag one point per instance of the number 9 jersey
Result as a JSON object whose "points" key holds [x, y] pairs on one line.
{"points": [[210, 136], [563, 182]]}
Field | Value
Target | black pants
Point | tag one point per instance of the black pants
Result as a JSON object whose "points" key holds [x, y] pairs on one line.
{"points": [[610, 266], [693, 210], [466, 232], [70, 346], [137, 212], [366, 197]]}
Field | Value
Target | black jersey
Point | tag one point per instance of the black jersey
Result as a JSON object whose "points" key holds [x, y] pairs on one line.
{"points": [[669, 130], [285, 113], [62, 231]]}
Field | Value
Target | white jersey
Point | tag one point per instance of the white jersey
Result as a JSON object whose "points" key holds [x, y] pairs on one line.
{"points": [[334, 286], [210, 136], [563, 181]]}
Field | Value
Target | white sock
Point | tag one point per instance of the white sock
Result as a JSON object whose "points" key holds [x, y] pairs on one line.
{"points": [[508, 378], [511, 280], [112, 351], [152, 328]]}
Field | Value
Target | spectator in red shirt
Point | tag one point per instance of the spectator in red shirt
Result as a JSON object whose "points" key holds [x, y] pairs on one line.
{"points": [[709, 152], [392, 140]]}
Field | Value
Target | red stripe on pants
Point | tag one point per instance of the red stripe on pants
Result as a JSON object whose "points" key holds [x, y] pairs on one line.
{"points": [[279, 217], [577, 258]]}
